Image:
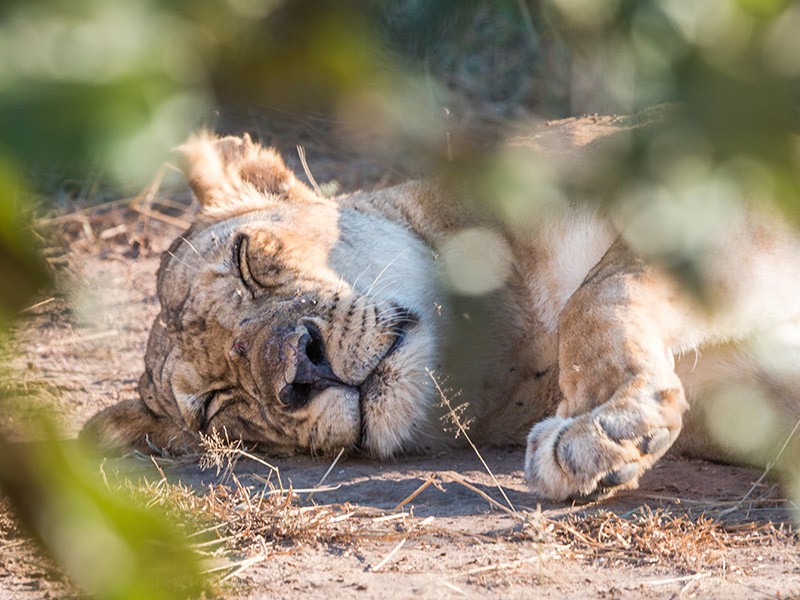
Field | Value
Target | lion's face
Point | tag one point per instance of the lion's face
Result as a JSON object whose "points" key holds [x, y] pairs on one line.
{"points": [[297, 325]]}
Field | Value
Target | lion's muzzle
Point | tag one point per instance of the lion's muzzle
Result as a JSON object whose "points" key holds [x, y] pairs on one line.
{"points": [[312, 369]]}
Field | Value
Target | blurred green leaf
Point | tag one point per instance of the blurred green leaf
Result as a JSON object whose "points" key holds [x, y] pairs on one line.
{"points": [[21, 264], [107, 545], [107, 84]]}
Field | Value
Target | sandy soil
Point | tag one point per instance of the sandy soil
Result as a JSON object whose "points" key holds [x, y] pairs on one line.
{"points": [[82, 348]]}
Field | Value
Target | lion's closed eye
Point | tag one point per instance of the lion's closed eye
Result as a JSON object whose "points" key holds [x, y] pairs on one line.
{"points": [[240, 245], [214, 402], [259, 269]]}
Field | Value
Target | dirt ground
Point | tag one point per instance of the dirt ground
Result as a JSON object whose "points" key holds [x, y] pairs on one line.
{"points": [[693, 529]]}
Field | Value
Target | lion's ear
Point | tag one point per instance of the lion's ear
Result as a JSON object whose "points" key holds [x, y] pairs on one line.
{"points": [[233, 173], [130, 425]]}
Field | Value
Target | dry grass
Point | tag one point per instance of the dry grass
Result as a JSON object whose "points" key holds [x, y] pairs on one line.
{"points": [[660, 537], [455, 416], [236, 526], [123, 225]]}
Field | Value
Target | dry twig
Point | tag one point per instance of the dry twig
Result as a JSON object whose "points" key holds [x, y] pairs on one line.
{"points": [[454, 415]]}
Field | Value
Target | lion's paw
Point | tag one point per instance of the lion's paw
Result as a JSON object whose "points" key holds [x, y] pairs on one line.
{"points": [[593, 455]]}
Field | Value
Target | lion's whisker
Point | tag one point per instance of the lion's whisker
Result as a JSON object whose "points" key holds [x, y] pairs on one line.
{"points": [[390, 320], [390, 312], [389, 264], [188, 243], [373, 297], [194, 269], [354, 285]]}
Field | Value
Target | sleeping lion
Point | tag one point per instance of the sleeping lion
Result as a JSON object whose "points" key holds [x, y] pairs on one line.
{"points": [[302, 323]]}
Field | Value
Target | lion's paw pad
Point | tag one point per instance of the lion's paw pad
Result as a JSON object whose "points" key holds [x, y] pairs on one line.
{"points": [[656, 442], [620, 476], [577, 458]]}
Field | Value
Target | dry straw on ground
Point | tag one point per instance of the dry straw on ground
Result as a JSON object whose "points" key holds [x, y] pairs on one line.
{"points": [[236, 526]]}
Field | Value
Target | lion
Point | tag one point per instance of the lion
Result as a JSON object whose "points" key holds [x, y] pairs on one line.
{"points": [[301, 323]]}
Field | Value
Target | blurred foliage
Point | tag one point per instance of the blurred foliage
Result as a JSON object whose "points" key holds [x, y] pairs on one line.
{"points": [[732, 65], [112, 85], [96, 82], [117, 84], [20, 261], [727, 78], [108, 545]]}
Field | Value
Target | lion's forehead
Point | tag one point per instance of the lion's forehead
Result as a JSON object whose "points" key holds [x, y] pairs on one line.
{"points": [[313, 250], [376, 255]]}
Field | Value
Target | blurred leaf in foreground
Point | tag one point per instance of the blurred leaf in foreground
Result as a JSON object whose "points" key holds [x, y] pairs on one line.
{"points": [[106, 545], [109, 84], [22, 269]]}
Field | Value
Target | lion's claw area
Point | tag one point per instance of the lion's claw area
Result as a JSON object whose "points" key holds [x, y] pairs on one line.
{"points": [[576, 459]]}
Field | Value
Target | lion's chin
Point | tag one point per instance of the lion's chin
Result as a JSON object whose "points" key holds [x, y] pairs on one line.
{"points": [[361, 420]]}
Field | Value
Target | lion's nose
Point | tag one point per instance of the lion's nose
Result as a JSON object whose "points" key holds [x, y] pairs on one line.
{"points": [[312, 362], [313, 372]]}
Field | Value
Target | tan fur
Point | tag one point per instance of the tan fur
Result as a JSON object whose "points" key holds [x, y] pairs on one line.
{"points": [[573, 351]]}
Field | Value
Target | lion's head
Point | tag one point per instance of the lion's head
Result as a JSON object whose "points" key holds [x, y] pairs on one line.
{"points": [[286, 319]]}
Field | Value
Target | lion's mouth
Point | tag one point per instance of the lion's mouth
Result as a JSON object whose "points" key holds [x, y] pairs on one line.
{"points": [[310, 373], [404, 321]]}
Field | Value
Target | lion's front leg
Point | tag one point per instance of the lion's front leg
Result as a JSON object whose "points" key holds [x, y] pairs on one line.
{"points": [[623, 403]]}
